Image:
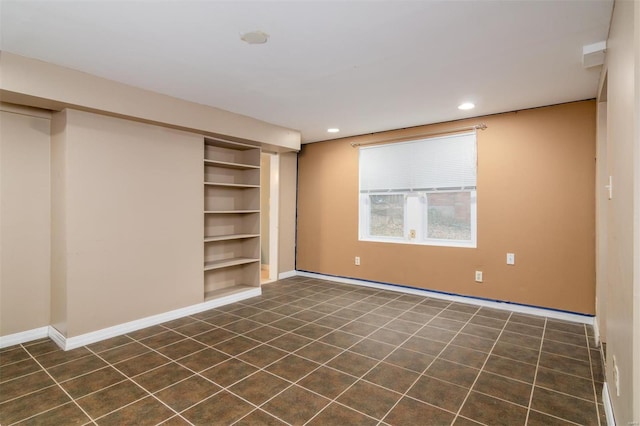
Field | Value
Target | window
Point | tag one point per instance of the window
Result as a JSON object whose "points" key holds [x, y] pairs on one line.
{"points": [[420, 192]]}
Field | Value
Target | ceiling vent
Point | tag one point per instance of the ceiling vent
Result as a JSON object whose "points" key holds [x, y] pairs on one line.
{"points": [[593, 54]]}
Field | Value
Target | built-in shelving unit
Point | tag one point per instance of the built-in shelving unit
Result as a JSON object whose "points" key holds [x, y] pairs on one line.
{"points": [[231, 217]]}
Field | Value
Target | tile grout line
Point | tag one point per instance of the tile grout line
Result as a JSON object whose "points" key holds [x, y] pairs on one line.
{"points": [[593, 379], [535, 376]]}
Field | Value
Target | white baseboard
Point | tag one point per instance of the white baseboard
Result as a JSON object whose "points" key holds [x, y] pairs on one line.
{"points": [[23, 337], [287, 274], [608, 408], [529, 310], [117, 330]]}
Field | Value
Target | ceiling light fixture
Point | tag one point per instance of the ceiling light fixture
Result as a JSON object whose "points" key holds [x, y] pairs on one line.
{"points": [[254, 37], [333, 130], [466, 106]]}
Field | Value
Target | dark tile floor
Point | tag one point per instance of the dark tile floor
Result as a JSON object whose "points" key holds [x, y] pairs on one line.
{"points": [[318, 353]]}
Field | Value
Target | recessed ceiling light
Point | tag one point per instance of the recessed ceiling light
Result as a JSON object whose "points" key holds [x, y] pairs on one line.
{"points": [[466, 105], [255, 37], [333, 130]]}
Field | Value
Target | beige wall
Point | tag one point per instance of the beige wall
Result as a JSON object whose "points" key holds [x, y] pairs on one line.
{"points": [[622, 284], [265, 194], [24, 219], [287, 212], [535, 198], [130, 214], [31, 82]]}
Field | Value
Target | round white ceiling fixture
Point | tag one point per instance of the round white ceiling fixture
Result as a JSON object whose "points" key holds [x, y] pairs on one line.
{"points": [[333, 130], [254, 37], [466, 106]]}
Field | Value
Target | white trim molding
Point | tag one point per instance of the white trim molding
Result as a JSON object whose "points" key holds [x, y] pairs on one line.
{"points": [[68, 343], [23, 337], [288, 274], [608, 407], [513, 307]]}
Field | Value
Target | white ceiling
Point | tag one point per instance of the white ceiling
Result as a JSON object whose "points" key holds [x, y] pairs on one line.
{"points": [[362, 66]]}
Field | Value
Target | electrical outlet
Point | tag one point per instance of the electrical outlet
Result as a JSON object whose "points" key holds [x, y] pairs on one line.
{"points": [[412, 233], [511, 259], [357, 260], [478, 276]]}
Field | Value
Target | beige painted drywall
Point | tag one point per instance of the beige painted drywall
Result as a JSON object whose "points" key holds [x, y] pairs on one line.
{"points": [[265, 194], [536, 177], [24, 219], [622, 321], [602, 196], [31, 82], [130, 216], [287, 212]]}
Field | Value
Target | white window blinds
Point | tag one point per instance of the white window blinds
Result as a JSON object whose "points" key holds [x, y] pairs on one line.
{"points": [[440, 163]]}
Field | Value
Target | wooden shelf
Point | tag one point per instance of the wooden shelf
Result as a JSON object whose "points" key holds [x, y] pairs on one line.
{"points": [[227, 291], [229, 237], [230, 211], [232, 185], [217, 264], [228, 165]]}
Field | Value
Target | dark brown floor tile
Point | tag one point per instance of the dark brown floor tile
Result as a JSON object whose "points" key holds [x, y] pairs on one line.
{"points": [[326, 308], [262, 355], [489, 410], [162, 377], [435, 333], [265, 333], [473, 342], [464, 356], [181, 349], [242, 326], [417, 318], [23, 385], [577, 352], [187, 393], [42, 348], [372, 349], [30, 404], [162, 339], [510, 368], [387, 311], [148, 411], [352, 363], [147, 332], [308, 315], [369, 399], [528, 319], [67, 414], [402, 326], [319, 352], [236, 345], [287, 310], [425, 346], [14, 355], [565, 365], [565, 383], [54, 358], [514, 352], [564, 406], [564, 337], [76, 368], [222, 319], [313, 331], [140, 364], [175, 421], [229, 372], [18, 369], [455, 315], [408, 410], [392, 377], [503, 388], [332, 321], [112, 398], [447, 324], [341, 339], [481, 331], [494, 313], [389, 336], [411, 360], [596, 366], [463, 421], [223, 408], [259, 387], [540, 419], [179, 322], [327, 382], [529, 330], [463, 307], [92, 382], [245, 311], [375, 319], [453, 373], [295, 405], [292, 368], [569, 327], [336, 414], [402, 304], [111, 343], [290, 342], [202, 360], [304, 303], [436, 392], [259, 418], [194, 328], [124, 352], [288, 324], [359, 328], [427, 310], [487, 321], [520, 340], [214, 336]]}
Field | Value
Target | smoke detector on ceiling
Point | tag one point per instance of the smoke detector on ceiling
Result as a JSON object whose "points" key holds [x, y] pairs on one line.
{"points": [[254, 37]]}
